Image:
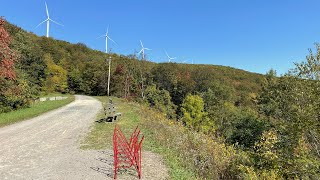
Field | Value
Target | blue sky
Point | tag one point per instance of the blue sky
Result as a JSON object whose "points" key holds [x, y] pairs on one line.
{"points": [[248, 34]]}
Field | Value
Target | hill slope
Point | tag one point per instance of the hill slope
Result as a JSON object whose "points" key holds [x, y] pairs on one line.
{"points": [[233, 126], [55, 65]]}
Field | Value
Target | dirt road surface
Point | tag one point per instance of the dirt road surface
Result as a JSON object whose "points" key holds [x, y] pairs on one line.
{"points": [[47, 147]]}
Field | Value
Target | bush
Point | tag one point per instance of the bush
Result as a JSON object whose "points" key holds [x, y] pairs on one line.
{"points": [[209, 158], [160, 100], [194, 115], [246, 129]]}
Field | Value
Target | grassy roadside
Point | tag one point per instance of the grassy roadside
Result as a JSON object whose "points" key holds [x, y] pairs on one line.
{"points": [[45, 95], [135, 115], [33, 111]]}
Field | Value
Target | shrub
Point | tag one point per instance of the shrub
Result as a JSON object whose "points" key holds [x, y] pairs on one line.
{"points": [[160, 100], [209, 158]]}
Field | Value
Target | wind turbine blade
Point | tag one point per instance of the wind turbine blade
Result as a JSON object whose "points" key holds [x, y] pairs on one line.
{"points": [[111, 39], [141, 44], [147, 49], [41, 23], [56, 22], [107, 29], [167, 54], [140, 51], [101, 36], [47, 9]]}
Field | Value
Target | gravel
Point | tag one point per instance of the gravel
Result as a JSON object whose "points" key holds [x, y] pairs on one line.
{"points": [[47, 147]]}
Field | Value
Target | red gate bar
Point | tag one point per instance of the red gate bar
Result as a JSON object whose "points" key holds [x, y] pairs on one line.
{"points": [[127, 153]]}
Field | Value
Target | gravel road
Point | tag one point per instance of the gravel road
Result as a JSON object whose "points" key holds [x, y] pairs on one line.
{"points": [[47, 147]]}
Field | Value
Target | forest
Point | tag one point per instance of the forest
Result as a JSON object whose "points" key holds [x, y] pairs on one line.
{"points": [[271, 123]]}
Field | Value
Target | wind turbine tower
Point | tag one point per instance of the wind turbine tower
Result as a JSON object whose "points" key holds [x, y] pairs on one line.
{"points": [[48, 21], [106, 36], [169, 58], [109, 59], [142, 50]]}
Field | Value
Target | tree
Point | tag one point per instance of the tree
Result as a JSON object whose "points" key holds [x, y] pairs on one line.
{"points": [[215, 97], [30, 61], [118, 81], [14, 91], [160, 100], [291, 104], [56, 79], [194, 115], [7, 56], [309, 69], [245, 128], [75, 81], [266, 151]]}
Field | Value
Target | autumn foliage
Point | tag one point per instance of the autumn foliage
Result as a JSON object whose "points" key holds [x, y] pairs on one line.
{"points": [[231, 124], [7, 56], [14, 92]]}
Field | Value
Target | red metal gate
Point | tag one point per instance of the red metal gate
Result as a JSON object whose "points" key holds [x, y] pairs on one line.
{"points": [[127, 154]]}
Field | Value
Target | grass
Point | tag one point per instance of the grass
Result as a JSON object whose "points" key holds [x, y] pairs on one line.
{"points": [[101, 135], [134, 115], [53, 95], [32, 111]]}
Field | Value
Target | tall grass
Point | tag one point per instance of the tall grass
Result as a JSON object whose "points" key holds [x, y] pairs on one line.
{"points": [[187, 154], [207, 157], [32, 111]]}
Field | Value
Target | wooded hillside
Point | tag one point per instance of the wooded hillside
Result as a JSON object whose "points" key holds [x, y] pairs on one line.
{"points": [[263, 127], [53, 65]]}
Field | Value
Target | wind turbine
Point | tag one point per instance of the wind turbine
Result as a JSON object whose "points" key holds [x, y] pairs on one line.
{"points": [[107, 37], [170, 58], [142, 50], [48, 20], [109, 59]]}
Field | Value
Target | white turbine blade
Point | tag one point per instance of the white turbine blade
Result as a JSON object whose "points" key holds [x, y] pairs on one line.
{"points": [[41, 23], [173, 58], [107, 30], [140, 51], [101, 36], [56, 22], [47, 10], [147, 49], [111, 39], [167, 54], [141, 44]]}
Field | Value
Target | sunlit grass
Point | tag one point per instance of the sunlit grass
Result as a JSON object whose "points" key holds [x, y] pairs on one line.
{"points": [[101, 134], [53, 95], [34, 110], [134, 115]]}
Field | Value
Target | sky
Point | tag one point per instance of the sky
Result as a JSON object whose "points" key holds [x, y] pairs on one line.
{"points": [[254, 35]]}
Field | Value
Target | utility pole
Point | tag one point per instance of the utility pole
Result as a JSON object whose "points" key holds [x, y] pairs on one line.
{"points": [[109, 59], [141, 76]]}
